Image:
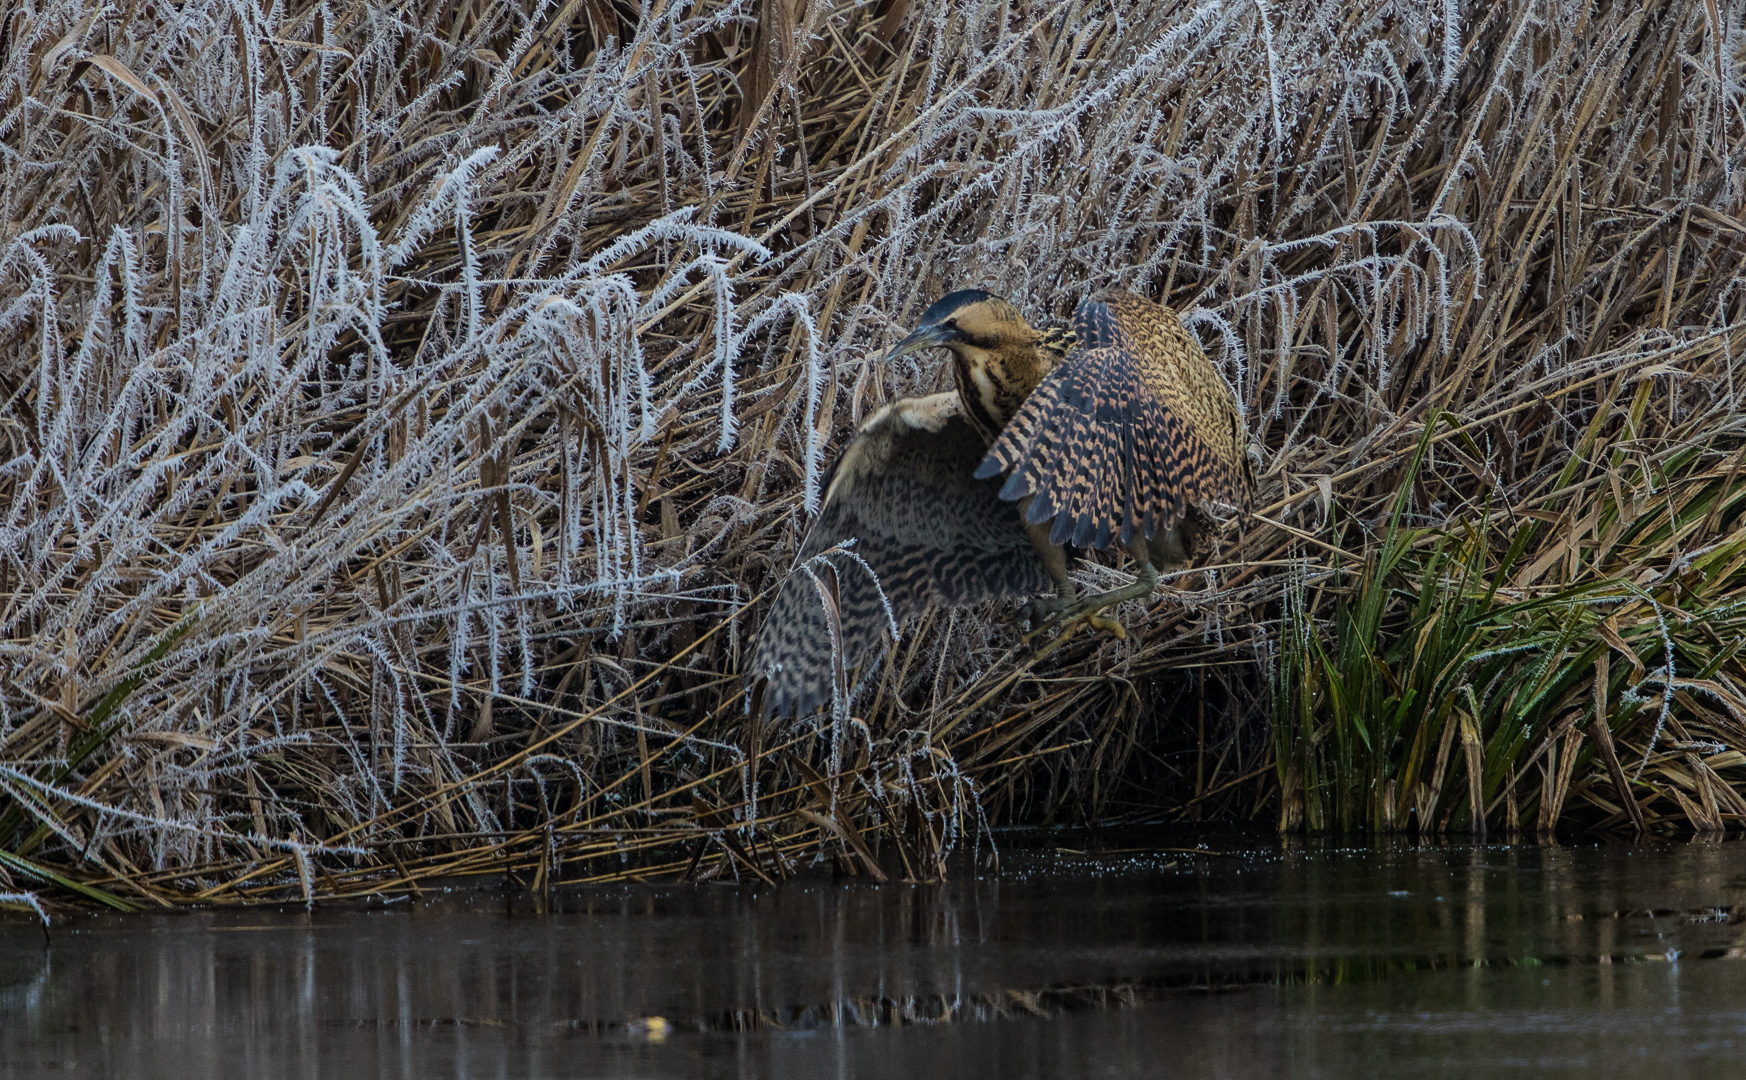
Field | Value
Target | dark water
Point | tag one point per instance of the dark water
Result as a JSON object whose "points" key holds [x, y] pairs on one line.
{"points": [[1261, 962]]}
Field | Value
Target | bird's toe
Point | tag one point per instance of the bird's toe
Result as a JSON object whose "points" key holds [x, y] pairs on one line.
{"points": [[1107, 624]]}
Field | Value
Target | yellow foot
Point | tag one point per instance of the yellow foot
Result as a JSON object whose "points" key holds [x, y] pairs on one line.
{"points": [[1061, 626], [1107, 625], [1059, 618]]}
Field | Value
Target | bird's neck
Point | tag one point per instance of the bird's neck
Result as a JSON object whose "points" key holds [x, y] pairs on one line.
{"points": [[993, 382]]}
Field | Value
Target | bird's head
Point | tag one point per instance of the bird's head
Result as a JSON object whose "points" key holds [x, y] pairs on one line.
{"points": [[998, 358], [969, 322]]}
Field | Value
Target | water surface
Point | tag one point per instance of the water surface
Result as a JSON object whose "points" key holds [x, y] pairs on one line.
{"points": [[1083, 956]]}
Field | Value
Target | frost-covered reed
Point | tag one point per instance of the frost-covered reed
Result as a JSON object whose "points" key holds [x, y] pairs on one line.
{"points": [[405, 405]]}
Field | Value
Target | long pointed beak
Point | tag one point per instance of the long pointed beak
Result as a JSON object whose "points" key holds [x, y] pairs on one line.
{"points": [[923, 337]]}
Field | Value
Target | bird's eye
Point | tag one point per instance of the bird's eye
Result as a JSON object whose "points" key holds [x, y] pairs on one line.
{"points": [[950, 324]]}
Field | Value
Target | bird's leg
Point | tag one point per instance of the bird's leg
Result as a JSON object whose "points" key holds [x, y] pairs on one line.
{"points": [[1165, 548], [1046, 613], [1041, 609], [1088, 609]]}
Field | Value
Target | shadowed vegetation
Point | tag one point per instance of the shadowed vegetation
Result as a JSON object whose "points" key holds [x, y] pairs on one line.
{"points": [[408, 410]]}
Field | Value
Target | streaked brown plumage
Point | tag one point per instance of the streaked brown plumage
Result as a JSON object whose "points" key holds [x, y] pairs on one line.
{"points": [[904, 492], [1122, 439], [1117, 431]]}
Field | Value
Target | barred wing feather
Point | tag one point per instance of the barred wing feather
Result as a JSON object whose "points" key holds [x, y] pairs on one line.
{"points": [[926, 528], [1133, 428]]}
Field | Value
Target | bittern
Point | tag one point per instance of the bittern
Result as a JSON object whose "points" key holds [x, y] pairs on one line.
{"points": [[1119, 430]]}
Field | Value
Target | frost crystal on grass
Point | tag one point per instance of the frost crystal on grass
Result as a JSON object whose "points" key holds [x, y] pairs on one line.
{"points": [[387, 389]]}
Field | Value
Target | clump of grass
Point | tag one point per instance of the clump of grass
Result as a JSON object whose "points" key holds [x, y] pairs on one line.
{"points": [[1607, 668], [406, 410]]}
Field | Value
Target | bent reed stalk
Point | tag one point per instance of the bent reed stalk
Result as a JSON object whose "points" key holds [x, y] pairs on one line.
{"points": [[408, 410]]}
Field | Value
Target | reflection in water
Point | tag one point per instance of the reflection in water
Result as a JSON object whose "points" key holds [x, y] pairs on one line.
{"points": [[1309, 961]]}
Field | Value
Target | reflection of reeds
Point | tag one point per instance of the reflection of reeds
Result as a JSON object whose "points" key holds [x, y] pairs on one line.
{"points": [[406, 411]]}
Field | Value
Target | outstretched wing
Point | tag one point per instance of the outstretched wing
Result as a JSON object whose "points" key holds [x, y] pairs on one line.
{"points": [[927, 529], [1129, 431]]}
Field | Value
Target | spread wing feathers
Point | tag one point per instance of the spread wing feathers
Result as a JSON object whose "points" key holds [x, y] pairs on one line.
{"points": [[929, 531], [1129, 431]]}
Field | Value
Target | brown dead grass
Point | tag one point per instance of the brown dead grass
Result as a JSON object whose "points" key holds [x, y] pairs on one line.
{"points": [[406, 411]]}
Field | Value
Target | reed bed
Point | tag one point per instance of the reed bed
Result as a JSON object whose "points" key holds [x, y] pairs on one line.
{"points": [[407, 409]]}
